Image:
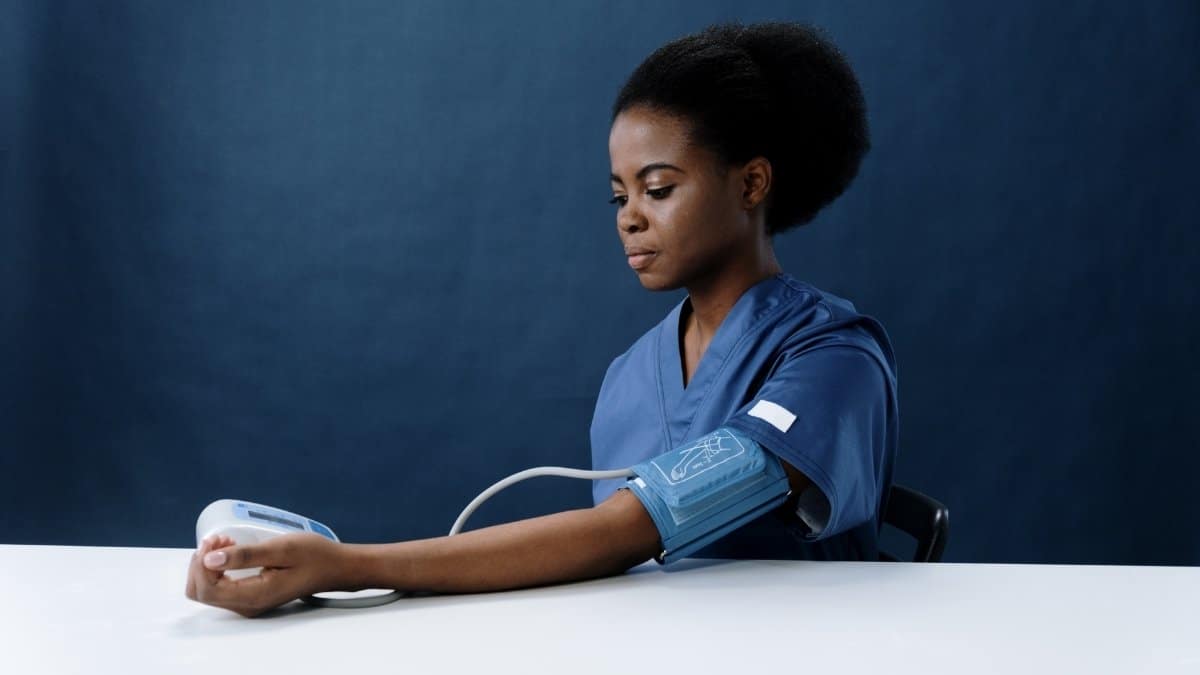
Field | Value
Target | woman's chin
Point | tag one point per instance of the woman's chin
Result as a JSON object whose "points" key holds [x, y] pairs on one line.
{"points": [[656, 282]]}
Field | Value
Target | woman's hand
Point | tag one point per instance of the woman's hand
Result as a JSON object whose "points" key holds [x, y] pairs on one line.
{"points": [[294, 566]]}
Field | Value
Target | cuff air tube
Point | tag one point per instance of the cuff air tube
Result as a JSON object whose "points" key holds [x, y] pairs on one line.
{"points": [[703, 490]]}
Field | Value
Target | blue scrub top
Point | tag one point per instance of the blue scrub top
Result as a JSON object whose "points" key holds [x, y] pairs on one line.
{"points": [[828, 377]]}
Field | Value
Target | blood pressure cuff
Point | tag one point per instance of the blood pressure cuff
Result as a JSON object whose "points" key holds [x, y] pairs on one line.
{"points": [[705, 489]]}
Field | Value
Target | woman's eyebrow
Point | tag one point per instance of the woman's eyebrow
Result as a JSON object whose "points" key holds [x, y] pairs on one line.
{"points": [[647, 169]]}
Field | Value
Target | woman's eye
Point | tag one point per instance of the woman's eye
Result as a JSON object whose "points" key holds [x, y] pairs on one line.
{"points": [[660, 193], [619, 200]]}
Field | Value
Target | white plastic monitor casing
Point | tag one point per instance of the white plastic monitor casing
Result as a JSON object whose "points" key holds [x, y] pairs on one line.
{"points": [[249, 523]]}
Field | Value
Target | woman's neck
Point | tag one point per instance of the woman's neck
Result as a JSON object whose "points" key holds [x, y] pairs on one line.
{"points": [[712, 297]]}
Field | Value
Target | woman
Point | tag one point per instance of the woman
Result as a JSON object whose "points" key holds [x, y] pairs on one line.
{"points": [[719, 141]]}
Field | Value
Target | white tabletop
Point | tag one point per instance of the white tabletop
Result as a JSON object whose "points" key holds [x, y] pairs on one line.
{"points": [[88, 610]]}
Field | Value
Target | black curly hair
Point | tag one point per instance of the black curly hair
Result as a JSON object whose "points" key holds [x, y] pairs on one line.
{"points": [[777, 90]]}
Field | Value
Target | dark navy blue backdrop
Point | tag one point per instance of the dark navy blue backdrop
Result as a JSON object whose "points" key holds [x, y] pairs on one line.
{"points": [[355, 259]]}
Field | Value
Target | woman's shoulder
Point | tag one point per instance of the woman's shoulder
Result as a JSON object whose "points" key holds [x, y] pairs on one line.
{"points": [[820, 318]]}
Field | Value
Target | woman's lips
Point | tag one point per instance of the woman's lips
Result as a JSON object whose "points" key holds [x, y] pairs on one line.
{"points": [[641, 260]]}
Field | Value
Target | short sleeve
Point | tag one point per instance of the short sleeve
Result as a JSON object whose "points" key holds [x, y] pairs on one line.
{"points": [[828, 412]]}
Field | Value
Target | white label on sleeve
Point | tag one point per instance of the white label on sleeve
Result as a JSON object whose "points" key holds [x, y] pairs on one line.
{"points": [[774, 414]]}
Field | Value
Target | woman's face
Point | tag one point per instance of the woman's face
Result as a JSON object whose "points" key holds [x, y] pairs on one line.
{"points": [[680, 214]]}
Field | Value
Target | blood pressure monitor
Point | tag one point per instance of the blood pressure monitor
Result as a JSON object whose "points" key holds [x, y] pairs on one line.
{"points": [[250, 523]]}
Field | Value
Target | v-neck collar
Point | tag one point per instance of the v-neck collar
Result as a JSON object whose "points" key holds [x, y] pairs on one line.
{"points": [[679, 404]]}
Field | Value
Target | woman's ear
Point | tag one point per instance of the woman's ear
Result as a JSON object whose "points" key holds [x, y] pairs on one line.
{"points": [[756, 182]]}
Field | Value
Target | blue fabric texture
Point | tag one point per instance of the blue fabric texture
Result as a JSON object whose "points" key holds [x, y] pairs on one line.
{"points": [[700, 491], [795, 369]]}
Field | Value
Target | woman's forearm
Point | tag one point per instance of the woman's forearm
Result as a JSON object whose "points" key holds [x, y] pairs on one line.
{"points": [[569, 546]]}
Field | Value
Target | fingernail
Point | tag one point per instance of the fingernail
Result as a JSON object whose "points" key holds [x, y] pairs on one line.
{"points": [[214, 559]]}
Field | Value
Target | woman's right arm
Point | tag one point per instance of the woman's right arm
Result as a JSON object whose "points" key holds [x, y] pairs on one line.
{"points": [[569, 546]]}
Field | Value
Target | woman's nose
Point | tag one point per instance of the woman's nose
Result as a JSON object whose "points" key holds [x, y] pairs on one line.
{"points": [[629, 219]]}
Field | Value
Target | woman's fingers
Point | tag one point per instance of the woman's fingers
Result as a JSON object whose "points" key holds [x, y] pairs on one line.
{"points": [[273, 553], [199, 578], [212, 587]]}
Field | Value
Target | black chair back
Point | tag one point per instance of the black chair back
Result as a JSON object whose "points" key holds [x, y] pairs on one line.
{"points": [[921, 517]]}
